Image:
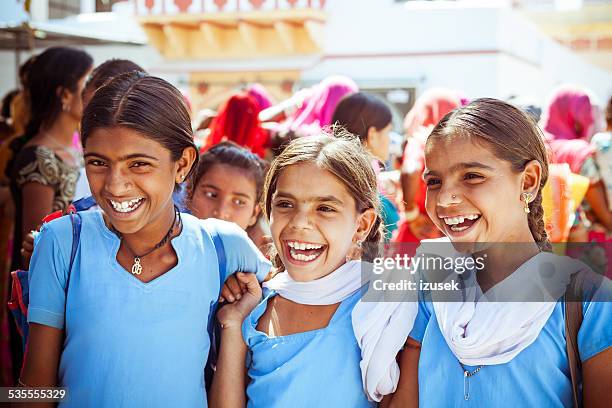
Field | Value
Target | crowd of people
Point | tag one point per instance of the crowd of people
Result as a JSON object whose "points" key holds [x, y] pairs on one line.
{"points": [[221, 259]]}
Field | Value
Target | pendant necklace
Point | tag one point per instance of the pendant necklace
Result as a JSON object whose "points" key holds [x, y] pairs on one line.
{"points": [[137, 267], [466, 380]]}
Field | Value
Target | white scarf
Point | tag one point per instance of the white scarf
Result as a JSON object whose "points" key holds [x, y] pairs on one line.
{"points": [[328, 290], [480, 329], [381, 328]]}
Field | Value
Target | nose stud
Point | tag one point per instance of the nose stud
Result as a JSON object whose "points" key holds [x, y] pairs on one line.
{"points": [[454, 196]]}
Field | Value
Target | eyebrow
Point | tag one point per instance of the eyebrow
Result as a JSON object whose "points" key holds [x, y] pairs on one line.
{"points": [[460, 166], [122, 158], [327, 198], [236, 193]]}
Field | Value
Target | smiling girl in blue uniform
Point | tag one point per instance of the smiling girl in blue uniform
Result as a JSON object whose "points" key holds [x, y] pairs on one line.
{"points": [[127, 326], [302, 340], [485, 167]]}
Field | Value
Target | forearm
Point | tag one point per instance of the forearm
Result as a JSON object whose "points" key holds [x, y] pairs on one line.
{"points": [[596, 198], [229, 382], [41, 360], [407, 393], [596, 380]]}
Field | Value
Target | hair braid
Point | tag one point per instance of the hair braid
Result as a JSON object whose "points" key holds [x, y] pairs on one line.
{"points": [[536, 223]]}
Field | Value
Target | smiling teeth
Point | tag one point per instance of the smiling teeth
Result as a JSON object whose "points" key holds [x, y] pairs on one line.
{"points": [[303, 246], [302, 257], [126, 206], [460, 219]]}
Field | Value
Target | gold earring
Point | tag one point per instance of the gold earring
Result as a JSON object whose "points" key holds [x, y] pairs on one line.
{"points": [[527, 199]]}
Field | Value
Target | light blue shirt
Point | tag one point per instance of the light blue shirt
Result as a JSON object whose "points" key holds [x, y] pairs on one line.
{"points": [[317, 368], [129, 343], [538, 376]]}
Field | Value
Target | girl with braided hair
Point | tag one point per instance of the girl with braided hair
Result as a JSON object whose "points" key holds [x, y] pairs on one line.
{"points": [[486, 164]]}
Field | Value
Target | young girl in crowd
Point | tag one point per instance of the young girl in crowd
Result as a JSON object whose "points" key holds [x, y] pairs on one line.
{"points": [[321, 199], [485, 166], [127, 326], [228, 185], [370, 118]]}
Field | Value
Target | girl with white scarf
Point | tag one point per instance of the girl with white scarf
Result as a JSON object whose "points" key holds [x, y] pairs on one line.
{"points": [[500, 340], [311, 341]]}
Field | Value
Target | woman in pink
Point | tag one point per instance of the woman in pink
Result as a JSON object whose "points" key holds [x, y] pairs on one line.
{"points": [[427, 111], [568, 124]]}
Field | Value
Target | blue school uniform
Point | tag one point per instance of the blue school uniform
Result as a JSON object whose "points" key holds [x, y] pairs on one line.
{"points": [[538, 376], [318, 368], [129, 343]]}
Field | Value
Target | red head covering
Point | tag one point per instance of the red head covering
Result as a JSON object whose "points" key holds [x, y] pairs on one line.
{"points": [[238, 122], [568, 121]]}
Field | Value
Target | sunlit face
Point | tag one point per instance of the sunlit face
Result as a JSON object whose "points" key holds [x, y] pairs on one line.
{"points": [[313, 220], [131, 176], [228, 193], [378, 142], [473, 196]]}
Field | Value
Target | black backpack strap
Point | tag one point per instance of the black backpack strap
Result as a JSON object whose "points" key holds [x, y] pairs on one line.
{"points": [[573, 321]]}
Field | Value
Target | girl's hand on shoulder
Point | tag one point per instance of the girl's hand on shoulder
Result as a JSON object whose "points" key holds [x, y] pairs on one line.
{"points": [[243, 291]]}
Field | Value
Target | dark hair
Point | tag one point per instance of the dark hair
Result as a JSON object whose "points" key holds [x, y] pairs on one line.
{"points": [[6, 103], [359, 112], [107, 70], [609, 113], [23, 71], [231, 154], [146, 104], [53, 69], [512, 135], [341, 154]]}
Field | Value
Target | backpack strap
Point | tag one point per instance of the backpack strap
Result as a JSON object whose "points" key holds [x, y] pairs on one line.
{"points": [[77, 223], [84, 204], [573, 321], [214, 329], [220, 249]]}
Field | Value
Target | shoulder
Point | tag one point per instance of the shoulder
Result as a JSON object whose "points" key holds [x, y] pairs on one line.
{"points": [[229, 232], [250, 333], [222, 227]]}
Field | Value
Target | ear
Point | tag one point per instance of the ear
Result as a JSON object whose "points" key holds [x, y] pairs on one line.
{"points": [[531, 177], [65, 96], [365, 222], [255, 216], [371, 136], [184, 164]]}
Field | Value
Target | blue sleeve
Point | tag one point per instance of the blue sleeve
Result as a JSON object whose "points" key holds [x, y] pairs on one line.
{"points": [[595, 334], [48, 274], [241, 254], [422, 320]]}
